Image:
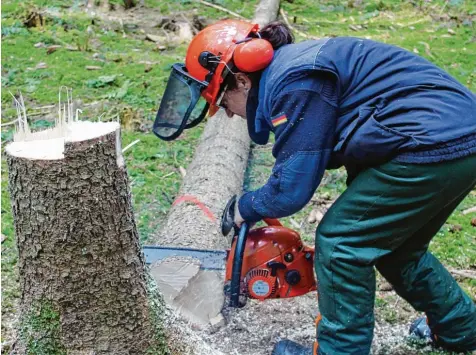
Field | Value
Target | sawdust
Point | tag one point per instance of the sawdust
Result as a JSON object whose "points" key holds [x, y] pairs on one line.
{"points": [[197, 295], [254, 329]]}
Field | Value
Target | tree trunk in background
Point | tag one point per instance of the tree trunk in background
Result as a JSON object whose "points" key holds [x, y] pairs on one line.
{"points": [[129, 3], [213, 177], [82, 277]]}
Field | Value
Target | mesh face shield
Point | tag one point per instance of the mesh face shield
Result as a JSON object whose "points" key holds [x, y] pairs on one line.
{"points": [[182, 106]]}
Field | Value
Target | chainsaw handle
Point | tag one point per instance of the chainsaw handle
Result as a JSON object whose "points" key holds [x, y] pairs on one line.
{"points": [[272, 222], [237, 265]]}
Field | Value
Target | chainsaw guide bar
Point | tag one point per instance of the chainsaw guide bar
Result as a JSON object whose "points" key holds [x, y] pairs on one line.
{"points": [[209, 259]]}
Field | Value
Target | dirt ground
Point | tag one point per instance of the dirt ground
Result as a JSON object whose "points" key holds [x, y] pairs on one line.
{"points": [[254, 329]]}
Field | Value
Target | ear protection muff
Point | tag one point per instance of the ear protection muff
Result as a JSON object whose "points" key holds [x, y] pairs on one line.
{"points": [[253, 54]]}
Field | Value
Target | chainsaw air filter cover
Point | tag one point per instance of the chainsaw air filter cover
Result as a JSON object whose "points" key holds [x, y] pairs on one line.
{"points": [[260, 284]]}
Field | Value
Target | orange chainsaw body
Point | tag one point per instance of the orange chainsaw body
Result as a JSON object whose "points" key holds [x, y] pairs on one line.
{"points": [[276, 263]]}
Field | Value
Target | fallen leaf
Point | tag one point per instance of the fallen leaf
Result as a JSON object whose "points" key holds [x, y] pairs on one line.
{"points": [[52, 49], [153, 38], [470, 210], [385, 286], [93, 67], [473, 222]]}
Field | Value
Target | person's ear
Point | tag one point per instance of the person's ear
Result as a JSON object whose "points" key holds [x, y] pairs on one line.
{"points": [[243, 81]]}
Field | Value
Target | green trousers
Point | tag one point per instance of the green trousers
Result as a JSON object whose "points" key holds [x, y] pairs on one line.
{"points": [[386, 219]]}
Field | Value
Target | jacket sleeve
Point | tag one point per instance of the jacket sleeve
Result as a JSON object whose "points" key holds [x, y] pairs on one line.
{"points": [[304, 122]]}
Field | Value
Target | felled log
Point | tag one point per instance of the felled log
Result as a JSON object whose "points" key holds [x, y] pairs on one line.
{"points": [[215, 174]]}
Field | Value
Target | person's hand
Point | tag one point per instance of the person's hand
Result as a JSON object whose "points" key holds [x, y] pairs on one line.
{"points": [[238, 219]]}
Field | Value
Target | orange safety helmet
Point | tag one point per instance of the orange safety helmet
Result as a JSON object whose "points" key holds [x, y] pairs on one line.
{"points": [[210, 57]]}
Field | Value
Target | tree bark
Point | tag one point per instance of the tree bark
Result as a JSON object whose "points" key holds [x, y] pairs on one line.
{"points": [[128, 4], [82, 274]]}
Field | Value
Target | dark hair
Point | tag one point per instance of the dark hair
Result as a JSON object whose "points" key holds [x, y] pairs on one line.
{"points": [[277, 33]]}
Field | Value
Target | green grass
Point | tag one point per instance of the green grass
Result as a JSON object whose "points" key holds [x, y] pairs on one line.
{"points": [[442, 31], [448, 41]]}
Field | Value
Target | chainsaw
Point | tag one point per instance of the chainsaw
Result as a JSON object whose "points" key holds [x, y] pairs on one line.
{"points": [[262, 263]]}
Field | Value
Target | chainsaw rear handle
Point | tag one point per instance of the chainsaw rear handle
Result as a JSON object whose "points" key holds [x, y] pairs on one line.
{"points": [[228, 218]]}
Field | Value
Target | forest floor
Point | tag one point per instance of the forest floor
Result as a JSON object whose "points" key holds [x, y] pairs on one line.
{"points": [[119, 74]]}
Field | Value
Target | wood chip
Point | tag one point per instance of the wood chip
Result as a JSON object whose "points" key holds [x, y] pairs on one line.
{"points": [[161, 48], [218, 321], [4, 237], [465, 274], [93, 67], [469, 210], [41, 65], [319, 216], [153, 38], [183, 172], [39, 45], [295, 224], [451, 32], [473, 222], [427, 49], [312, 217]]}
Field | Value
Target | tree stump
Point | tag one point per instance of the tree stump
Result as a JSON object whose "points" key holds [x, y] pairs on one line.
{"points": [[82, 274]]}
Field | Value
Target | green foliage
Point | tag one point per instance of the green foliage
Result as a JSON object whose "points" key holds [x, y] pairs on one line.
{"points": [[101, 81], [40, 330]]}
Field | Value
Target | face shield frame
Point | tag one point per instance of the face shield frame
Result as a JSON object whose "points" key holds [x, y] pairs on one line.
{"points": [[171, 115]]}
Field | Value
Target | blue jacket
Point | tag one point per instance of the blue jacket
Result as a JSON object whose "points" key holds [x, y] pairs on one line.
{"points": [[352, 102]]}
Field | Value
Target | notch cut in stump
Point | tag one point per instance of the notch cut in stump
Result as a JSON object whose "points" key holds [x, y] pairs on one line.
{"points": [[82, 273]]}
